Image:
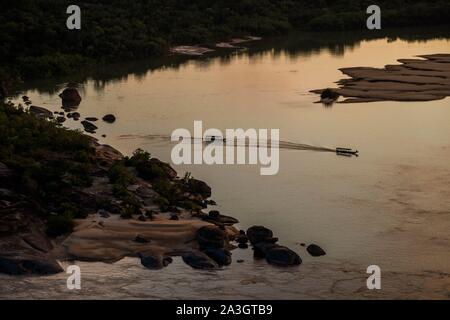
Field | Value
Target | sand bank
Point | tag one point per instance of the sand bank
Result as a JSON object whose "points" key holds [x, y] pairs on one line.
{"points": [[424, 79]]}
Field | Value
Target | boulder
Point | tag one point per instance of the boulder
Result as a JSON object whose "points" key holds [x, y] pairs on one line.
{"points": [[199, 260], [259, 234], [151, 262], [110, 118], [199, 187], [31, 265], [214, 214], [315, 251], [141, 239], [221, 256], [243, 246], [88, 126], [40, 112], [211, 237], [92, 119], [260, 249], [215, 217], [282, 256], [70, 96]]}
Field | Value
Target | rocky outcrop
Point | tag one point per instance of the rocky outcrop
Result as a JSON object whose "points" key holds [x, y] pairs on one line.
{"points": [[41, 112], [153, 261], [211, 237], [199, 260], [315, 251], [24, 246], [264, 246], [257, 234], [109, 118], [89, 126], [70, 97]]}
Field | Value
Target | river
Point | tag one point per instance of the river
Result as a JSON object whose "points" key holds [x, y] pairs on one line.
{"points": [[388, 207]]}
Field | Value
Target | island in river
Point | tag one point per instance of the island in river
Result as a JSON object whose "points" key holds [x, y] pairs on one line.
{"points": [[424, 79]]}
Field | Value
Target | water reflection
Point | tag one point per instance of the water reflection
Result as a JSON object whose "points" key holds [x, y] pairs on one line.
{"points": [[297, 45]]}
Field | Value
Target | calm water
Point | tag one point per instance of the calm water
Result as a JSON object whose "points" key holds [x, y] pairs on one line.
{"points": [[389, 207]]}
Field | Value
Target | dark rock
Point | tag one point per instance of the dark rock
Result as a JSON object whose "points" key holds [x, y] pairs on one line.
{"points": [[142, 218], [75, 114], [259, 234], [315, 250], [329, 94], [211, 202], [25, 98], [174, 217], [110, 118], [240, 261], [211, 237], [70, 96], [199, 187], [103, 135], [93, 119], [214, 214], [151, 262], [61, 119], [19, 266], [199, 260], [272, 240], [243, 245], [141, 239], [221, 256], [282, 256], [61, 113], [260, 249], [88, 126], [167, 261], [40, 112], [242, 238]]}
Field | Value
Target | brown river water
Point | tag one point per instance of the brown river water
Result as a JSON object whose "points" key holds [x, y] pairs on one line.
{"points": [[389, 207]]}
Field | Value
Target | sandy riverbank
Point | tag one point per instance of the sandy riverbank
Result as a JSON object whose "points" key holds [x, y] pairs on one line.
{"points": [[424, 79]]}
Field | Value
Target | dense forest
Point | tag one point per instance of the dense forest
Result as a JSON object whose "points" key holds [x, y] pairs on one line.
{"points": [[36, 42]]}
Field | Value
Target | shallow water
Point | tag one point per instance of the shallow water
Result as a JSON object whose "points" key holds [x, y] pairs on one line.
{"points": [[389, 207]]}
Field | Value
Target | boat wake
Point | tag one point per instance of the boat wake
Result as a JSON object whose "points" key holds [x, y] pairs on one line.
{"points": [[248, 143]]}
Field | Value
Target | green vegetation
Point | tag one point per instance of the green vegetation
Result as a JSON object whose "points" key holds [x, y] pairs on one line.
{"points": [[36, 42], [48, 162]]}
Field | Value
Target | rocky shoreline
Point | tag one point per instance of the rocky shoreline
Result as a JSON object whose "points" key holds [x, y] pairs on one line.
{"points": [[155, 233]]}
